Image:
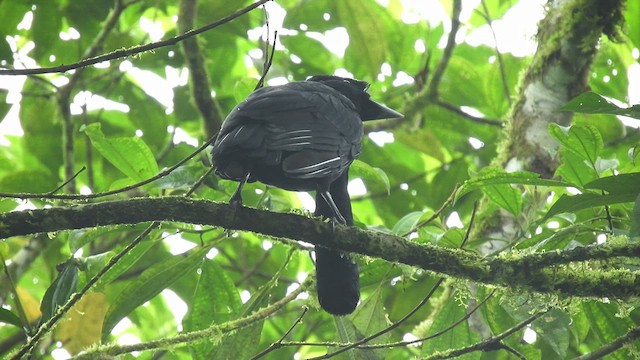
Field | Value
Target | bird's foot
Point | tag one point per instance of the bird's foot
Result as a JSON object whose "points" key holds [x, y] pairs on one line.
{"points": [[236, 204]]}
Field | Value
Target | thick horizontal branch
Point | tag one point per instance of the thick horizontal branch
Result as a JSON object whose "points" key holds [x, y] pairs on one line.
{"points": [[536, 272]]}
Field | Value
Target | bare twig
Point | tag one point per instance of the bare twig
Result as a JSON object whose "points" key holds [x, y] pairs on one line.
{"points": [[67, 181], [134, 50], [454, 109], [388, 328], [448, 50], [490, 344], [278, 344], [599, 353]]}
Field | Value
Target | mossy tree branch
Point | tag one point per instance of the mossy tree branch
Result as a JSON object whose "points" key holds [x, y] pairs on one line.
{"points": [[553, 272]]}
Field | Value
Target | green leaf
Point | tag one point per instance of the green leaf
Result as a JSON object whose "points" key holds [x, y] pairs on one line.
{"points": [[592, 103], [213, 283], [457, 337], [347, 332], [506, 197], [575, 170], [242, 344], [367, 48], [129, 155], [60, 290], [553, 329], [369, 317], [181, 178], [623, 183], [46, 26], [583, 140], [149, 284], [34, 181], [125, 263], [606, 323], [374, 178], [7, 317], [568, 204], [407, 223], [634, 231], [496, 176], [424, 141]]}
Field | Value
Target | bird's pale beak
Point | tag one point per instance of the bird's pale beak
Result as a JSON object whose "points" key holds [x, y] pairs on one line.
{"points": [[374, 111]]}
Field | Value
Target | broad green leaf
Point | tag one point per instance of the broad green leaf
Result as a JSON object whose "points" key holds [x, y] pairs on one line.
{"points": [[592, 103], [622, 183], [347, 332], [452, 238], [149, 284], [375, 178], [129, 155], [610, 127], [46, 26], [407, 223], [125, 263], [214, 301], [575, 170], [242, 344], [60, 290], [506, 197], [422, 140], [634, 231], [606, 324], [34, 181], [367, 48], [12, 13], [553, 329], [457, 337], [495, 176], [181, 178], [369, 316], [7, 317], [583, 140], [633, 22], [579, 202]]}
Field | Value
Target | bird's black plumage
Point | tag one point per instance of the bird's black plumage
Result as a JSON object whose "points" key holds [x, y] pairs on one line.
{"points": [[302, 136]]}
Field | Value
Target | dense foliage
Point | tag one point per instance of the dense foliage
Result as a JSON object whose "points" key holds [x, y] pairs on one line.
{"points": [[444, 177]]}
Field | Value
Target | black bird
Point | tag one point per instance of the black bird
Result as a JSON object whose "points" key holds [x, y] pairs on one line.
{"points": [[303, 136]]}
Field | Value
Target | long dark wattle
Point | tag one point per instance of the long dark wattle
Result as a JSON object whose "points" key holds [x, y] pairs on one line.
{"points": [[338, 282]]}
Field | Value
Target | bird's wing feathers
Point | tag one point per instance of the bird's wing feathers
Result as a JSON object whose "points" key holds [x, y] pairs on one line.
{"points": [[315, 125]]}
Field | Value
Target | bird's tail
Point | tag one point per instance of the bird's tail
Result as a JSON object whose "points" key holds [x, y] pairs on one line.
{"points": [[337, 281], [337, 276]]}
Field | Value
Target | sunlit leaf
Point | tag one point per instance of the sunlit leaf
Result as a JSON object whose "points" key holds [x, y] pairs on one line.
{"points": [[150, 283], [583, 140], [374, 178], [60, 290], [592, 103], [130, 155], [495, 176], [579, 202]]}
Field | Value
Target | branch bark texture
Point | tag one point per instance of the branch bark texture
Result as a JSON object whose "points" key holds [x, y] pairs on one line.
{"points": [[553, 272], [567, 44]]}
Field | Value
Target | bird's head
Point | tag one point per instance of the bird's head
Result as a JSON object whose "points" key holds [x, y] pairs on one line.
{"points": [[356, 91]]}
